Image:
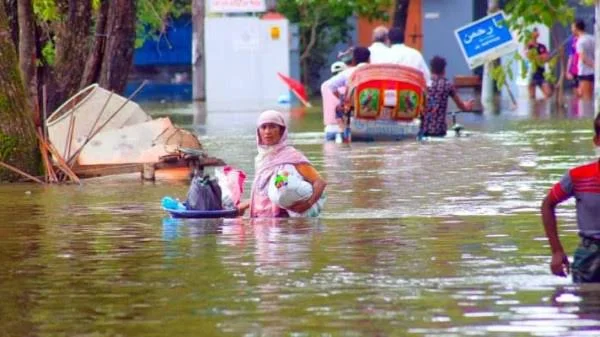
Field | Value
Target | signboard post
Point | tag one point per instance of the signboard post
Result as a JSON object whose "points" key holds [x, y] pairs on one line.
{"points": [[485, 39]]}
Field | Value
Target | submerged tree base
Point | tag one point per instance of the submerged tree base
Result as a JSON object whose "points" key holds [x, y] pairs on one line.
{"points": [[18, 143]]}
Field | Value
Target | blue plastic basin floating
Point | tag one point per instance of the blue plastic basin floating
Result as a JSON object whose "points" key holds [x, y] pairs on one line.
{"points": [[226, 213]]}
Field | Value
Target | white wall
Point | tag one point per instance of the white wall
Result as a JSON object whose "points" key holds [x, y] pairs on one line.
{"points": [[440, 19], [242, 61]]}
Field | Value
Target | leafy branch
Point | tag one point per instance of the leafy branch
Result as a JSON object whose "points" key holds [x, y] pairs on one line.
{"points": [[523, 14]]}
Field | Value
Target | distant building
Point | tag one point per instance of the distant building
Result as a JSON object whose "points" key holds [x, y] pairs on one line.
{"points": [[165, 63]]}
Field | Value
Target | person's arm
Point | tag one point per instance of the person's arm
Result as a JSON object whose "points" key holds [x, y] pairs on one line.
{"points": [[336, 82], [311, 175], [560, 192], [242, 207], [569, 62], [462, 105], [544, 56]]}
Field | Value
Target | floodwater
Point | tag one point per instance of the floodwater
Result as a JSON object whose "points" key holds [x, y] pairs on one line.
{"points": [[440, 238]]}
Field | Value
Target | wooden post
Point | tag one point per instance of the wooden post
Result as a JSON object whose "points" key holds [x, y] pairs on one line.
{"points": [[24, 174], [487, 83], [198, 56], [148, 172]]}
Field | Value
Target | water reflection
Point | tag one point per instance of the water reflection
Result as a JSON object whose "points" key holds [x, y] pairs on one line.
{"points": [[439, 238], [572, 108]]}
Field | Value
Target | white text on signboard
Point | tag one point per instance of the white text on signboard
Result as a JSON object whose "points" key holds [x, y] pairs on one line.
{"points": [[236, 6]]}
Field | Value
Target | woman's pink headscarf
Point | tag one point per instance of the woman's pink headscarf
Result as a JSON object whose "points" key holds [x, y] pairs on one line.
{"points": [[269, 159]]}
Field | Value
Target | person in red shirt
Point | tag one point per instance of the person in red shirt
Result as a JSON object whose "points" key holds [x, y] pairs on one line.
{"points": [[582, 183]]}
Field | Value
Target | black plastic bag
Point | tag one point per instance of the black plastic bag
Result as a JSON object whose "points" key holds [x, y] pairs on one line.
{"points": [[204, 194]]}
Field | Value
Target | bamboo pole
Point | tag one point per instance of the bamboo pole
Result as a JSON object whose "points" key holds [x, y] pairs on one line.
{"points": [[71, 139], [14, 169], [71, 159], [100, 114], [95, 132], [60, 161], [44, 111], [70, 131], [50, 175]]}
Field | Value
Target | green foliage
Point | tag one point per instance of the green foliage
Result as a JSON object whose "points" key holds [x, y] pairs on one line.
{"points": [[49, 52], [522, 14], [153, 17], [8, 145], [45, 10], [324, 23]]}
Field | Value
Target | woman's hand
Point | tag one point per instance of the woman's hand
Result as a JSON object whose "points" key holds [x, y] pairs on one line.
{"points": [[304, 205], [242, 207], [301, 206]]}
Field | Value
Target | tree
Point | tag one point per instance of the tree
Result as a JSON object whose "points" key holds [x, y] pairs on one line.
{"points": [[524, 14], [324, 23], [27, 54], [65, 45], [98, 36], [18, 143], [118, 53], [71, 28]]}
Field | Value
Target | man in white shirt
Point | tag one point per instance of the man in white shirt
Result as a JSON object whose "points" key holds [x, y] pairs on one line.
{"points": [[406, 56], [379, 48], [585, 48]]}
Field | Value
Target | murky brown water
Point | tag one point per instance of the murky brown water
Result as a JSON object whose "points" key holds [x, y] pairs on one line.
{"points": [[441, 238]]}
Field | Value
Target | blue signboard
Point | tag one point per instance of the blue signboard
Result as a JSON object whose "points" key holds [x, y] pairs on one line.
{"points": [[485, 39]]}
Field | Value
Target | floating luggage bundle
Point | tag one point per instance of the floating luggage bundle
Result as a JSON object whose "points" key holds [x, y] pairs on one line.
{"points": [[387, 91]]}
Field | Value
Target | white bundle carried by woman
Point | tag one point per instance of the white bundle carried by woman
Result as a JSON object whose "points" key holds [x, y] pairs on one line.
{"points": [[287, 187]]}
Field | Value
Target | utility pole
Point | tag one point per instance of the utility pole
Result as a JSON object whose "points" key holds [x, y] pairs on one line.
{"points": [[198, 54], [487, 82]]}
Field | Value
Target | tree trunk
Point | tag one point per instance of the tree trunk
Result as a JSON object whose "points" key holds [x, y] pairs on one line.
{"points": [[198, 57], [118, 56], [401, 14], [27, 52], [11, 12], [18, 144], [91, 73], [71, 48], [305, 72]]}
